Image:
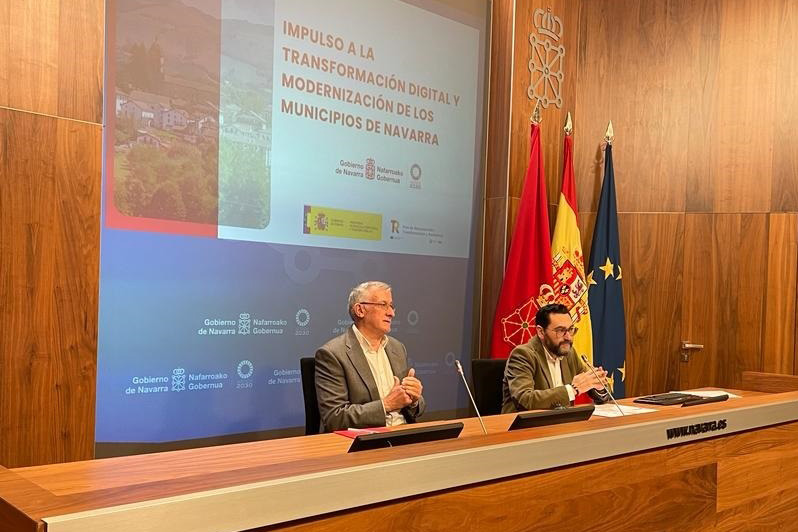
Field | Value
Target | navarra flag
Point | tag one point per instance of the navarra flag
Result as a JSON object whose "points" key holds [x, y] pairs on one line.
{"points": [[527, 277], [605, 293], [568, 263]]}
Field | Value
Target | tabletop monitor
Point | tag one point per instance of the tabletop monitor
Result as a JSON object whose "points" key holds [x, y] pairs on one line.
{"points": [[379, 440], [540, 418]]}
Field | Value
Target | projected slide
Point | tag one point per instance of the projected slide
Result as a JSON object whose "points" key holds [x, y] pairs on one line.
{"points": [[401, 108], [263, 157]]}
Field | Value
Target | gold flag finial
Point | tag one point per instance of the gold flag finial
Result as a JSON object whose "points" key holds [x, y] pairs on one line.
{"points": [[535, 118], [609, 135], [569, 125]]}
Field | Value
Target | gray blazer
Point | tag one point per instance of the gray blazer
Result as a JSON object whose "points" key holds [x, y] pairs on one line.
{"points": [[345, 387], [527, 383]]}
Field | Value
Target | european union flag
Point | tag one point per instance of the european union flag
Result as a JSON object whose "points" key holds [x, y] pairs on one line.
{"points": [[605, 292]]}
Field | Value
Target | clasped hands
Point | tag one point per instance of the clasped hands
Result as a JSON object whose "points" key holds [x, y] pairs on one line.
{"points": [[403, 393], [587, 380]]}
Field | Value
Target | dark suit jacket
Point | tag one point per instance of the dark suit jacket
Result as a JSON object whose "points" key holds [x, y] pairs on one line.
{"points": [[346, 389], [527, 383]]}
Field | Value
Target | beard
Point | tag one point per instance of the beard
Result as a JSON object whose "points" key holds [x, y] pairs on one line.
{"points": [[558, 349]]}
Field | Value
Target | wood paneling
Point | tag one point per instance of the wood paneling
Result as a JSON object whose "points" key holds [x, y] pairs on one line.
{"points": [[552, 118], [498, 141], [700, 24], [743, 110], [768, 382], [498, 146], [746, 478], [785, 155], [558, 500], [724, 299], [53, 52], [652, 247], [493, 265], [780, 282], [699, 304], [49, 256]]}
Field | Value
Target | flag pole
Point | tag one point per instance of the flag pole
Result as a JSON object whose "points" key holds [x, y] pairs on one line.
{"points": [[569, 125], [609, 135], [535, 117]]}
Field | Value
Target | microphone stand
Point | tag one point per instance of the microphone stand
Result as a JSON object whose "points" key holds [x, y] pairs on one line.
{"points": [[604, 382], [474, 403]]}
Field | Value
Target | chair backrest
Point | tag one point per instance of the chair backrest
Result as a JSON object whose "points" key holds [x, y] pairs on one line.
{"points": [[487, 374], [307, 367], [756, 381]]}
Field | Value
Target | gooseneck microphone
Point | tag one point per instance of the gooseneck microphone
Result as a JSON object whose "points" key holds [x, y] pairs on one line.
{"points": [[604, 382], [474, 403]]}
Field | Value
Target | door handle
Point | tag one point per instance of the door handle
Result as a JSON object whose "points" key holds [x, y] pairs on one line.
{"points": [[688, 348]]}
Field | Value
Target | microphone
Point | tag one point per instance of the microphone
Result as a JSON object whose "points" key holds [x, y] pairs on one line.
{"points": [[604, 382], [474, 403]]}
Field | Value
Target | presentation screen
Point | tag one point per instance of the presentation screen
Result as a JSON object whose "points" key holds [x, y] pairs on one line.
{"points": [[262, 157]]}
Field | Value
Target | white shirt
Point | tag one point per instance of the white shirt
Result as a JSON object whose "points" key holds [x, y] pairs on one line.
{"points": [[555, 369], [383, 374]]}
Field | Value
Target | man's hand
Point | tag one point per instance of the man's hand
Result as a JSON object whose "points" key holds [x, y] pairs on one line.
{"points": [[397, 399], [587, 381], [412, 386]]}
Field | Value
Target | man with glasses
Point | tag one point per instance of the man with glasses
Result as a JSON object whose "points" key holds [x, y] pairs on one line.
{"points": [[362, 379], [546, 372]]}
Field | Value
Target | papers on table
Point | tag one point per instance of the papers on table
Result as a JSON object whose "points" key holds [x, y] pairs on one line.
{"points": [[709, 393], [611, 410]]}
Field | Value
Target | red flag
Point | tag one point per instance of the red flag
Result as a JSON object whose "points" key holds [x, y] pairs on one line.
{"points": [[528, 277]]}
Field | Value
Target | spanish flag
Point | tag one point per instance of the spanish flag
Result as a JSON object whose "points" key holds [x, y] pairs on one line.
{"points": [[568, 263]]}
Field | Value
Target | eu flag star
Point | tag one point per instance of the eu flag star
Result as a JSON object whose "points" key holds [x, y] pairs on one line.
{"points": [[622, 370], [607, 268], [610, 381], [590, 279]]}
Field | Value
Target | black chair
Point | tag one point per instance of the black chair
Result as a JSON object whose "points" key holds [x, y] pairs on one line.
{"points": [[487, 374], [307, 367]]}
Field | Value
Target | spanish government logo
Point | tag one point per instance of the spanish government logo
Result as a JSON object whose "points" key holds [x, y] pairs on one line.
{"points": [[321, 221], [546, 62]]}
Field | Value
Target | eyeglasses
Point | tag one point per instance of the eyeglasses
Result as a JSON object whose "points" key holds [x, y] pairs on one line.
{"points": [[560, 331], [382, 304]]}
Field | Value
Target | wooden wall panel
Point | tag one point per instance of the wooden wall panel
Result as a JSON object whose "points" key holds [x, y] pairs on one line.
{"points": [[498, 141], [493, 266], [700, 24], [497, 146], [744, 108], [52, 53], [80, 59], [780, 295], [699, 303], [652, 247], [785, 154], [552, 118], [32, 60], [724, 296], [648, 496], [49, 257], [5, 37]]}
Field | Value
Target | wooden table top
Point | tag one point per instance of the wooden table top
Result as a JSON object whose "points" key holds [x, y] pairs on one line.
{"points": [[81, 486]]}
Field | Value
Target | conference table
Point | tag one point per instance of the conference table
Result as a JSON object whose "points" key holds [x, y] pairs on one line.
{"points": [[729, 465]]}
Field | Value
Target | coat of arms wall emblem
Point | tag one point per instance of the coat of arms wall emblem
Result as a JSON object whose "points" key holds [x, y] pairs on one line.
{"points": [[546, 61]]}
